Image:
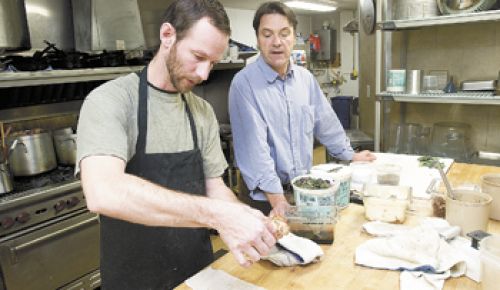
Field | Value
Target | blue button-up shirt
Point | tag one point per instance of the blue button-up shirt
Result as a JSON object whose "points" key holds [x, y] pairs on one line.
{"points": [[274, 122]]}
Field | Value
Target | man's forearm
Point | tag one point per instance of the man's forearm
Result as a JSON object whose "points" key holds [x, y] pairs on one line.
{"points": [[275, 198], [140, 201]]}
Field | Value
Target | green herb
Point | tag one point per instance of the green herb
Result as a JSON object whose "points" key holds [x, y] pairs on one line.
{"points": [[312, 183], [430, 162]]}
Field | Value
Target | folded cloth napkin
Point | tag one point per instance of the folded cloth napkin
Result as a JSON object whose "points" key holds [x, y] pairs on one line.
{"points": [[420, 250], [293, 250], [211, 279]]}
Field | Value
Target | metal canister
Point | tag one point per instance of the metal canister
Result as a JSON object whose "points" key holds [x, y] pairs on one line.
{"points": [[413, 82]]}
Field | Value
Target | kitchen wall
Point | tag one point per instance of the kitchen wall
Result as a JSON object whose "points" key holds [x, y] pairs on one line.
{"points": [[467, 52], [349, 44]]}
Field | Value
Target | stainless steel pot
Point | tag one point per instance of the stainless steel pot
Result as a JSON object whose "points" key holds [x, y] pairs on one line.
{"points": [[5, 179], [65, 145], [33, 154], [14, 32]]}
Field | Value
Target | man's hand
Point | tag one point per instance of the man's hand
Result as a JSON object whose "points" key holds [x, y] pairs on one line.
{"points": [[364, 155], [247, 232], [279, 203]]}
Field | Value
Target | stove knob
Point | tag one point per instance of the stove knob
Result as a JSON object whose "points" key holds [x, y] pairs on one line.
{"points": [[60, 205], [7, 222], [23, 217], [72, 201]]}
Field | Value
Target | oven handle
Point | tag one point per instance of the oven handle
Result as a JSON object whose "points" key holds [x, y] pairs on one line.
{"points": [[34, 242]]}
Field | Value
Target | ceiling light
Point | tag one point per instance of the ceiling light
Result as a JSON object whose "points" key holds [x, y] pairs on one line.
{"points": [[310, 6]]}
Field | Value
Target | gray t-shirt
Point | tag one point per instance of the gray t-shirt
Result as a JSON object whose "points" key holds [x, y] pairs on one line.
{"points": [[108, 124]]}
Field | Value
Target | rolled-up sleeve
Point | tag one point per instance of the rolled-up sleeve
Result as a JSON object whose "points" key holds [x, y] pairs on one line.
{"points": [[249, 131], [327, 127]]}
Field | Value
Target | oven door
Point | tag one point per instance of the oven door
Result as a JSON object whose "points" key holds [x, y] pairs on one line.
{"points": [[51, 255]]}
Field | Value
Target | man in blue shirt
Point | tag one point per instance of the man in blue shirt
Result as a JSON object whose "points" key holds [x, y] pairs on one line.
{"points": [[276, 110]]}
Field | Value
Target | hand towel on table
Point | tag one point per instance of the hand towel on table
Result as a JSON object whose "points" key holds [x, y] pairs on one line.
{"points": [[294, 250], [420, 250]]}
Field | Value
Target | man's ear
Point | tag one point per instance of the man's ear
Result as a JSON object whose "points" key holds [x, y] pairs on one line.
{"points": [[167, 35]]}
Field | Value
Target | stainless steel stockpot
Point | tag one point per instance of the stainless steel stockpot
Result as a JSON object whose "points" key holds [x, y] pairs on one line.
{"points": [[65, 145], [33, 154], [5, 179]]}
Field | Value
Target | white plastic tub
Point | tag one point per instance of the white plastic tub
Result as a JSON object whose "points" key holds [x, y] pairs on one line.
{"points": [[490, 262], [319, 198], [343, 175], [490, 184]]}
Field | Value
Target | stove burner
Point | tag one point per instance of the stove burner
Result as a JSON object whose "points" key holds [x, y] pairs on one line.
{"points": [[58, 175]]}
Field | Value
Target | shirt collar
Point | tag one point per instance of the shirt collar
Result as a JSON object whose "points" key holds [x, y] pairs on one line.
{"points": [[270, 74]]}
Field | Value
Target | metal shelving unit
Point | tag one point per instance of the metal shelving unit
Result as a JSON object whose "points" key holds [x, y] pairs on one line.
{"points": [[467, 99], [384, 54], [21, 79], [493, 15]]}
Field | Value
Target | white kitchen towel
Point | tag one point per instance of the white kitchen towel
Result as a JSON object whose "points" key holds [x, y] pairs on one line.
{"points": [[420, 280], [294, 250], [470, 255], [211, 279], [382, 229], [420, 249]]}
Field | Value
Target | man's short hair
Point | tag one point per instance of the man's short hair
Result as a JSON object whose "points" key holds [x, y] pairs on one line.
{"points": [[183, 14], [274, 7]]}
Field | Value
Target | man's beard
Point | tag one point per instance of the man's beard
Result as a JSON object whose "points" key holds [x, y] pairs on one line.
{"points": [[174, 67]]}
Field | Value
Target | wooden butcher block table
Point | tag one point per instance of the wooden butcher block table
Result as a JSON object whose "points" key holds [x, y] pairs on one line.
{"points": [[337, 269]]}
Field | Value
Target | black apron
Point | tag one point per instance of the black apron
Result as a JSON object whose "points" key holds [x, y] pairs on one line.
{"points": [[135, 256]]}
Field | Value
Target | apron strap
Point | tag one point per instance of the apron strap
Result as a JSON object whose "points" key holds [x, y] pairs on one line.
{"points": [[142, 114], [191, 122]]}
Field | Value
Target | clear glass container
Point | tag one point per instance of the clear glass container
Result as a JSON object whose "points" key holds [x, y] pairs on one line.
{"points": [[310, 222], [403, 138], [386, 203], [452, 140]]}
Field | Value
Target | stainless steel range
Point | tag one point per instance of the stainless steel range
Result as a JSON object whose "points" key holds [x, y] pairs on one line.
{"points": [[48, 238]]}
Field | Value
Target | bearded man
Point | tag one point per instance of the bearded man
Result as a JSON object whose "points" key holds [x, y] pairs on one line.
{"points": [[150, 162]]}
